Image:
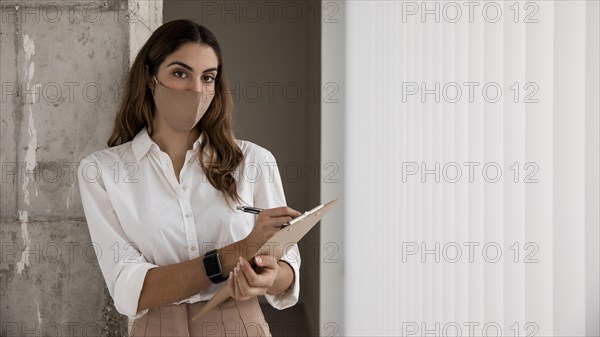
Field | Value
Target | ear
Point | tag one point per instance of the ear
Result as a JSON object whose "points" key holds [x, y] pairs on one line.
{"points": [[150, 84]]}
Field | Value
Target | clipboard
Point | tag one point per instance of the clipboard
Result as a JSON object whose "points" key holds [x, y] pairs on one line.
{"points": [[277, 246]]}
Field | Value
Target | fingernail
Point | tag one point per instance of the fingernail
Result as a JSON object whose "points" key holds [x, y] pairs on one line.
{"points": [[258, 259]]}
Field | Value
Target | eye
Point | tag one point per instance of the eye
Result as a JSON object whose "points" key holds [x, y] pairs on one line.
{"points": [[179, 73], [209, 78]]}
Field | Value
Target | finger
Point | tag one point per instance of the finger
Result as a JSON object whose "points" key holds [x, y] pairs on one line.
{"points": [[251, 277], [281, 211], [269, 269], [254, 279], [231, 285], [278, 221], [266, 261], [238, 293], [244, 287], [247, 290]]}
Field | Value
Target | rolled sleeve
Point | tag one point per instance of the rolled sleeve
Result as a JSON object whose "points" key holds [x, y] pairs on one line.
{"points": [[124, 268], [289, 297], [268, 193]]}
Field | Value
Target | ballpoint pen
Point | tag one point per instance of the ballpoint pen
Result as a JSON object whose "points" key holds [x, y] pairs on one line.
{"points": [[248, 209], [256, 210]]}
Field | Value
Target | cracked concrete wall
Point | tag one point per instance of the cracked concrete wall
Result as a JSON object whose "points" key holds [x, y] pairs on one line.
{"points": [[62, 67]]}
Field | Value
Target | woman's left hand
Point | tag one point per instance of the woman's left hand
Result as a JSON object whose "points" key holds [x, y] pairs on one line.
{"points": [[245, 283]]}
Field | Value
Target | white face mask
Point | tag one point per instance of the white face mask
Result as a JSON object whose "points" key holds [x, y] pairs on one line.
{"points": [[181, 109]]}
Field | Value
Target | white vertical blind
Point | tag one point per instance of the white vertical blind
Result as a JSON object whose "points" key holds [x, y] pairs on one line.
{"points": [[539, 66], [569, 168], [469, 139], [592, 167]]}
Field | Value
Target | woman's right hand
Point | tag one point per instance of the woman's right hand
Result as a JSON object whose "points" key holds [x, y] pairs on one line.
{"points": [[268, 222]]}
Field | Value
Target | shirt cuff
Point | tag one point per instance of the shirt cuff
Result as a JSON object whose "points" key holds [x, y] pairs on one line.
{"points": [[289, 297], [128, 289]]}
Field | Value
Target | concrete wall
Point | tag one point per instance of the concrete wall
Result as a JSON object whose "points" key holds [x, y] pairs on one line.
{"points": [[272, 57], [62, 67]]}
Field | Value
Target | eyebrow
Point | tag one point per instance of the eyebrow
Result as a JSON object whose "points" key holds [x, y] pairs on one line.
{"points": [[190, 68]]}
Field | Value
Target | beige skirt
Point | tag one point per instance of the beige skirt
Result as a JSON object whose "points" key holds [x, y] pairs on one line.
{"points": [[231, 318]]}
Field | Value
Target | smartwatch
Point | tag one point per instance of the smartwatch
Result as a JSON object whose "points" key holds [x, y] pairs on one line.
{"points": [[212, 267]]}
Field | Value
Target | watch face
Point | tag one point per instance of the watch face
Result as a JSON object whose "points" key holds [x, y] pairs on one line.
{"points": [[212, 264]]}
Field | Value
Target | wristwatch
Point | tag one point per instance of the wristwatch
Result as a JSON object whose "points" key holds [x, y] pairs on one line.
{"points": [[212, 267]]}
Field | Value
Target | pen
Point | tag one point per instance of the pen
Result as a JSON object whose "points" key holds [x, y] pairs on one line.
{"points": [[248, 209], [256, 210]]}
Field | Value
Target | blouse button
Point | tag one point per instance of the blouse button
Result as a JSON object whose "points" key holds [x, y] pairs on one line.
{"points": [[193, 248], [187, 215]]}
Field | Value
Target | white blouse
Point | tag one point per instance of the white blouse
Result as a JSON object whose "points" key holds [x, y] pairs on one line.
{"points": [[140, 217]]}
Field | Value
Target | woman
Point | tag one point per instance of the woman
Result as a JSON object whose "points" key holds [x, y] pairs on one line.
{"points": [[160, 201]]}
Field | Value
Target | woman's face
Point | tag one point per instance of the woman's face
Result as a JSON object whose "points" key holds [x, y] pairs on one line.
{"points": [[187, 86], [191, 67]]}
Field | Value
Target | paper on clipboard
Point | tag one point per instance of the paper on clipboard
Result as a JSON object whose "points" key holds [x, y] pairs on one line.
{"points": [[277, 246]]}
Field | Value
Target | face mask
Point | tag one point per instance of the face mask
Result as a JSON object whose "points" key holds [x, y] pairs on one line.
{"points": [[181, 109]]}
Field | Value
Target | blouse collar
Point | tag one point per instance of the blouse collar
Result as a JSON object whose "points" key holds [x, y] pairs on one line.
{"points": [[142, 143]]}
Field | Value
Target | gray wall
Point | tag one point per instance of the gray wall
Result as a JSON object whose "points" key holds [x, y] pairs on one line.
{"points": [[61, 68], [275, 46]]}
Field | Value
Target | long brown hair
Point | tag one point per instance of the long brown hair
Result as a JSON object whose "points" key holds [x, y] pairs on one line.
{"points": [[136, 110]]}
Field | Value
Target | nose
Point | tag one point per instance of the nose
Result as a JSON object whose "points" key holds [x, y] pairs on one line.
{"points": [[197, 85]]}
